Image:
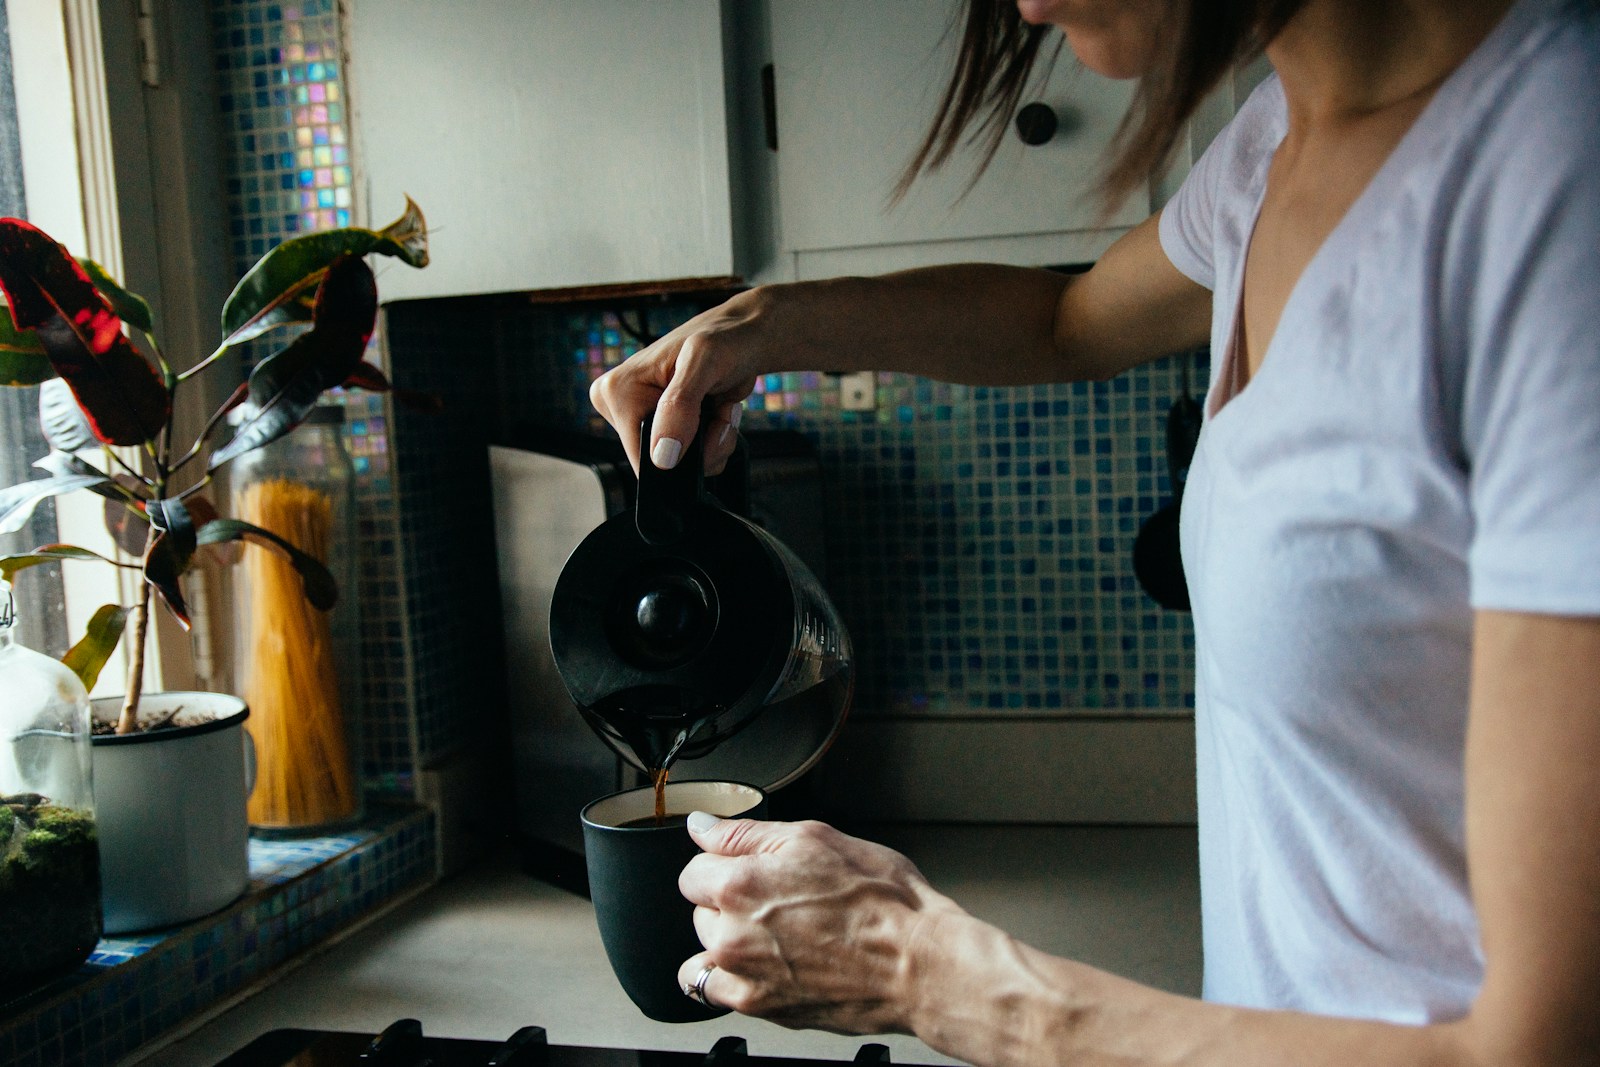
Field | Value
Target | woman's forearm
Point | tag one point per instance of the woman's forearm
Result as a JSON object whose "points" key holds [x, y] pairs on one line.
{"points": [[981, 996], [976, 324], [984, 324]]}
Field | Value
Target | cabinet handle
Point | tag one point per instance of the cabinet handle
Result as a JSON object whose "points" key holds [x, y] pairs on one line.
{"points": [[1036, 123]]}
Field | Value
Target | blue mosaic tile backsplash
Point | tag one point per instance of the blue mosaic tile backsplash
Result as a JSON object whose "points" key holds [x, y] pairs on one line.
{"points": [[980, 539]]}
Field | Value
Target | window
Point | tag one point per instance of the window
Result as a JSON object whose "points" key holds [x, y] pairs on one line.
{"points": [[41, 605]]}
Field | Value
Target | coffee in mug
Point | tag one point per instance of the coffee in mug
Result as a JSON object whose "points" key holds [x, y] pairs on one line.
{"points": [[646, 925]]}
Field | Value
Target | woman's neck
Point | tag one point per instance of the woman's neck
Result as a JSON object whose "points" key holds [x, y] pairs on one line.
{"points": [[1348, 59]]}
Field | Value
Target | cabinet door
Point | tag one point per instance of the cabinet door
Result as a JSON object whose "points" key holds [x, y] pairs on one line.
{"points": [[550, 143], [857, 85]]}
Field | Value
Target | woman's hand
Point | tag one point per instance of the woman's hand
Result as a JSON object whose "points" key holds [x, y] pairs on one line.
{"points": [[808, 927], [715, 356]]}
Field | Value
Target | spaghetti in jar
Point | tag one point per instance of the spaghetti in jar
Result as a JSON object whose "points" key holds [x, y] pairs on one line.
{"points": [[297, 667]]}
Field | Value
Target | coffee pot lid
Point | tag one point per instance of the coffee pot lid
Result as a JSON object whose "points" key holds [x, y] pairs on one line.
{"points": [[706, 616]]}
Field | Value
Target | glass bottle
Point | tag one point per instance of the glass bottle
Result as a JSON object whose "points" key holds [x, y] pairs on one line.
{"points": [[49, 859], [297, 667]]}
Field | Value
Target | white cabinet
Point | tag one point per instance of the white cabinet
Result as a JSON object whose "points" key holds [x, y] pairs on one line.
{"points": [[550, 143], [857, 85], [556, 144]]}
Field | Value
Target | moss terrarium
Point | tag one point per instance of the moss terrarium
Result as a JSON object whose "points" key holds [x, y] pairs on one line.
{"points": [[49, 860], [49, 890]]}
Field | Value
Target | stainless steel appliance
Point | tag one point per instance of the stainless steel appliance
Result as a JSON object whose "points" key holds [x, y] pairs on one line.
{"points": [[549, 494]]}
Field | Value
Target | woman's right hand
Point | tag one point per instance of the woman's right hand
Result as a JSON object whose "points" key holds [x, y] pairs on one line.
{"points": [[978, 324], [716, 355]]}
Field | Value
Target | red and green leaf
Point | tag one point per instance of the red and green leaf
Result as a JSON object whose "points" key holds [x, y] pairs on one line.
{"points": [[127, 523], [203, 511], [65, 425], [64, 464], [49, 293], [22, 356], [368, 377], [169, 553], [10, 565], [320, 588], [89, 655], [17, 503], [277, 291], [131, 308], [285, 386]]}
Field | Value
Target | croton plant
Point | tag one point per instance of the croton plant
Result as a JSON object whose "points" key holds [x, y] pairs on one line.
{"points": [[106, 405]]}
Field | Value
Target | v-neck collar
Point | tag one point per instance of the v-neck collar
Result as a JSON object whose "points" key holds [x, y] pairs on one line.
{"points": [[1380, 194]]}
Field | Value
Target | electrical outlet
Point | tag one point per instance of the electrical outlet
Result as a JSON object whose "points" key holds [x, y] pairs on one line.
{"points": [[858, 391]]}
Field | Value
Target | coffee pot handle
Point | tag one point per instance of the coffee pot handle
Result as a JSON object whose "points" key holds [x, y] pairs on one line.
{"points": [[667, 498]]}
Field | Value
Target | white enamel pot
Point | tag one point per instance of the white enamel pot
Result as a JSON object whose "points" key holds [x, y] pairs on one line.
{"points": [[170, 810]]}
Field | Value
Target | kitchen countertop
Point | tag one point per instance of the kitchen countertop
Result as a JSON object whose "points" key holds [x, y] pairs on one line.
{"points": [[492, 949]]}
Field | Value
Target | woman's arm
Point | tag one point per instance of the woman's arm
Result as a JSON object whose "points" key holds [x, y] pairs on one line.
{"points": [[972, 323], [812, 928]]}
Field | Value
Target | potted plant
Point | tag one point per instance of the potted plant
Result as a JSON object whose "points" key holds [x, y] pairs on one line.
{"points": [[72, 330]]}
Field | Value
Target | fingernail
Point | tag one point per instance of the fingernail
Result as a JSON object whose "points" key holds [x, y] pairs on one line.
{"points": [[731, 427], [665, 454], [701, 821]]}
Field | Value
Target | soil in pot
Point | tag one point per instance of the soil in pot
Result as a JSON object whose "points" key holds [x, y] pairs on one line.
{"points": [[49, 890], [146, 724]]}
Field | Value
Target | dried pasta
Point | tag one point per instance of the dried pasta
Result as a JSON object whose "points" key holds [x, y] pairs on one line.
{"points": [[304, 775]]}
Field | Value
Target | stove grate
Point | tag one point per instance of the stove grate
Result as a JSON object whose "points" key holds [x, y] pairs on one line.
{"points": [[403, 1044]]}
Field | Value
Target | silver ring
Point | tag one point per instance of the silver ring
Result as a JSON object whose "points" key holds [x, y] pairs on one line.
{"points": [[696, 990]]}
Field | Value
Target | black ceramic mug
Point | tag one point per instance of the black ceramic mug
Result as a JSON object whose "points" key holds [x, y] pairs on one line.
{"points": [[646, 925]]}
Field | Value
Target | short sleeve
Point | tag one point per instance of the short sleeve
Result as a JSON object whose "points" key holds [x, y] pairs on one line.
{"points": [[1189, 226], [1531, 397], [1185, 225]]}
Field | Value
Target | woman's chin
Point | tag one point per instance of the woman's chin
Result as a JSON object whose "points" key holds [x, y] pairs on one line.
{"points": [[1111, 59]]}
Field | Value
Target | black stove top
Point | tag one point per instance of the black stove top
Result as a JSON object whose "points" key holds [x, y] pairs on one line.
{"points": [[403, 1044]]}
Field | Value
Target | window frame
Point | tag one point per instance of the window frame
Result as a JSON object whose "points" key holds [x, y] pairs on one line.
{"points": [[98, 88]]}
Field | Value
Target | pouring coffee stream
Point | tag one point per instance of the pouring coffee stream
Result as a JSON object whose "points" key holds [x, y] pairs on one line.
{"points": [[676, 626]]}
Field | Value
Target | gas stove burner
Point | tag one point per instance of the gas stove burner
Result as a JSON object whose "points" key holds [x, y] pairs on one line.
{"points": [[402, 1044]]}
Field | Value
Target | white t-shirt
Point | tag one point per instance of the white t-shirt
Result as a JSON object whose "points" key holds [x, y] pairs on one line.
{"points": [[1422, 439]]}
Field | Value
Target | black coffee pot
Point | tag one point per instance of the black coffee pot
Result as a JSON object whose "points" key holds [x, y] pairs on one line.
{"points": [[681, 625]]}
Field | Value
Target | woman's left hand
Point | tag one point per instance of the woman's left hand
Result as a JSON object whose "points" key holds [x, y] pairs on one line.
{"points": [[807, 926]]}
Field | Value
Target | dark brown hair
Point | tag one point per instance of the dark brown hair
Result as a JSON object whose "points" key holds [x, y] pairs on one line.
{"points": [[1199, 44]]}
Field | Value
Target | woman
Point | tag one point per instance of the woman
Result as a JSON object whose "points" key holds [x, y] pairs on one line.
{"points": [[1392, 539]]}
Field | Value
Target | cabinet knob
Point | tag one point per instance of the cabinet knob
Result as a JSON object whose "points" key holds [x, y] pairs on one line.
{"points": [[1036, 123]]}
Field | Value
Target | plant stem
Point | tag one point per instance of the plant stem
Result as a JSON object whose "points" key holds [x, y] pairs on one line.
{"points": [[112, 456], [200, 441], [160, 453], [195, 488], [221, 351], [141, 624]]}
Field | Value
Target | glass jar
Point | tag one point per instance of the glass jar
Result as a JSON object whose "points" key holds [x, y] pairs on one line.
{"points": [[298, 667], [49, 860]]}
